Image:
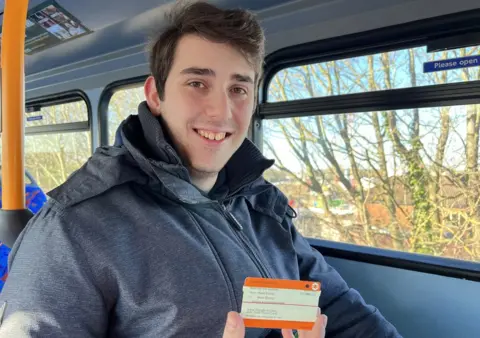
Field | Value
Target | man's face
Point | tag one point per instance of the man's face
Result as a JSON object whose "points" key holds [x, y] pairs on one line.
{"points": [[208, 102]]}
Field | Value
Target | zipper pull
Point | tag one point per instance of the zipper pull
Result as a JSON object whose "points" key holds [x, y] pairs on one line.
{"points": [[237, 223], [233, 219]]}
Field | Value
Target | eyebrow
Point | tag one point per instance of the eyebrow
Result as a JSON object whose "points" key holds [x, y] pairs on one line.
{"points": [[242, 78], [211, 72], [198, 71]]}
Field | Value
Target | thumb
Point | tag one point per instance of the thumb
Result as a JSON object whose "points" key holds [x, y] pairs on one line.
{"points": [[234, 327]]}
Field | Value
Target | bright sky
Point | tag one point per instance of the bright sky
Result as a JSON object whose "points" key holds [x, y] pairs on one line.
{"points": [[430, 131]]}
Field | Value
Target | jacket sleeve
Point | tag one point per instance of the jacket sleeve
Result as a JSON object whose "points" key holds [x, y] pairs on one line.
{"points": [[50, 290], [348, 314]]}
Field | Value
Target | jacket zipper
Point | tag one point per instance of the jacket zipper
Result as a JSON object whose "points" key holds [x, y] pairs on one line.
{"points": [[241, 236], [238, 230], [228, 281]]}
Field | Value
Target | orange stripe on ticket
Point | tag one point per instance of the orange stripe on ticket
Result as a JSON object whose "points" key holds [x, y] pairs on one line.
{"points": [[278, 324], [282, 284]]}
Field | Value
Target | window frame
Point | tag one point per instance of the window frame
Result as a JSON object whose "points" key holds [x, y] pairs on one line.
{"points": [[104, 102], [433, 33], [72, 127], [57, 99], [441, 266], [427, 32]]}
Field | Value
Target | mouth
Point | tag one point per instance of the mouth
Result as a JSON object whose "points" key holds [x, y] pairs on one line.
{"points": [[213, 136]]}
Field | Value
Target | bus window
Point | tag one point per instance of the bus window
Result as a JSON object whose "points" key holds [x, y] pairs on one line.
{"points": [[401, 179], [124, 102], [353, 178], [382, 71], [57, 142]]}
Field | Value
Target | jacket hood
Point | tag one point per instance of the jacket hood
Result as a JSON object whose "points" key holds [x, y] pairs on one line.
{"points": [[141, 142]]}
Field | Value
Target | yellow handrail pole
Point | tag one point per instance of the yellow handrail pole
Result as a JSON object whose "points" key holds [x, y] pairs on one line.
{"points": [[13, 104]]}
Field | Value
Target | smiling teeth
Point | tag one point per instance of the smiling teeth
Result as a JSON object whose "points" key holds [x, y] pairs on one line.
{"points": [[212, 136]]}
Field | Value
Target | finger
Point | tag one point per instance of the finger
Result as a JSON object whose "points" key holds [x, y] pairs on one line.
{"points": [[234, 327], [287, 333], [318, 330]]}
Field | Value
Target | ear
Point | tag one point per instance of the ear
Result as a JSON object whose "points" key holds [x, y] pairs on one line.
{"points": [[151, 94]]}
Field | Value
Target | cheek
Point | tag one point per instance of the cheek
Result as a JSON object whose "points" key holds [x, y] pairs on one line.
{"points": [[182, 109], [243, 114], [190, 103]]}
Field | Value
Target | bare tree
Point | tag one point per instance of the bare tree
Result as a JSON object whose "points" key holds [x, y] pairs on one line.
{"points": [[407, 161]]}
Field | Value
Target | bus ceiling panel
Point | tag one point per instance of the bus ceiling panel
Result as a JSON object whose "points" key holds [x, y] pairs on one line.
{"points": [[77, 74], [287, 23], [97, 14], [101, 13], [116, 25], [311, 12], [131, 34], [349, 17]]}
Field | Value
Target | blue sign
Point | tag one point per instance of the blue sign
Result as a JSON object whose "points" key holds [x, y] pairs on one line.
{"points": [[34, 118], [437, 66]]}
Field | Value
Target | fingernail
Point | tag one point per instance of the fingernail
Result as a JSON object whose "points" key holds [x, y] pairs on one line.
{"points": [[325, 320]]}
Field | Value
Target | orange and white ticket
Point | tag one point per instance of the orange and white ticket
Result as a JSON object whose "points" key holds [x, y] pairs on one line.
{"points": [[280, 303]]}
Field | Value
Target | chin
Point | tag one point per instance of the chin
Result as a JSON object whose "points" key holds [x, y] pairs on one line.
{"points": [[206, 161], [207, 168]]}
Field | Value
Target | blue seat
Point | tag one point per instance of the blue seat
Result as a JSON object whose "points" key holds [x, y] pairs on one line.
{"points": [[35, 198]]}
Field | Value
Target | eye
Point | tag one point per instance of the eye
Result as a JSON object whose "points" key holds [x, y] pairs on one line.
{"points": [[196, 84], [239, 91]]}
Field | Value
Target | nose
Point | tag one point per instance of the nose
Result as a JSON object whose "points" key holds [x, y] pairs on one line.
{"points": [[219, 106]]}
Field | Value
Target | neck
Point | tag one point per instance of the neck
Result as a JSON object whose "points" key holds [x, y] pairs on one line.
{"points": [[203, 180]]}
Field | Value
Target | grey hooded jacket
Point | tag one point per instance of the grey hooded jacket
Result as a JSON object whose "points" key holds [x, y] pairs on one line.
{"points": [[128, 247]]}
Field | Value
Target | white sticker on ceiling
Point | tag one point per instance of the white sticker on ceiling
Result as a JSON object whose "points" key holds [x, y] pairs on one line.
{"points": [[49, 24]]}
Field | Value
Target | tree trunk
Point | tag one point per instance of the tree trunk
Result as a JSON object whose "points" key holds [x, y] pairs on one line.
{"points": [[473, 179], [388, 190], [438, 165]]}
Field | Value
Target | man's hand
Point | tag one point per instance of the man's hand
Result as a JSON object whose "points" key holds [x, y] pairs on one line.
{"points": [[235, 328]]}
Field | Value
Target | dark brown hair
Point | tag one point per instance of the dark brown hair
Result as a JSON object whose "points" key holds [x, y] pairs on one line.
{"points": [[239, 28]]}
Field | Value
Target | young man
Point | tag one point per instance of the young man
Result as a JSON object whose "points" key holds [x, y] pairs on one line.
{"points": [[155, 236]]}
